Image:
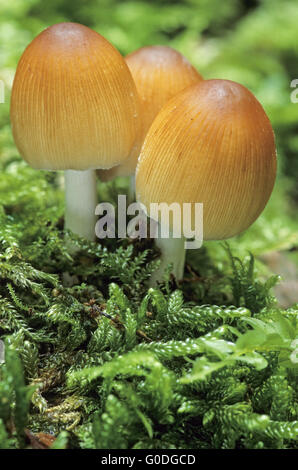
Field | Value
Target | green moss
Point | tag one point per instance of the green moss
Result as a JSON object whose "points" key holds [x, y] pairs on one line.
{"points": [[107, 363], [118, 366]]}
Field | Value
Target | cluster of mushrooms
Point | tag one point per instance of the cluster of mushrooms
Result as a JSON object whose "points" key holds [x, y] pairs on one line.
{"points": [[78, 105]]}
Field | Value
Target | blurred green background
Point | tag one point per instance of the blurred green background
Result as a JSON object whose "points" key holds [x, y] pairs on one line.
{"points": [[252, 42]]}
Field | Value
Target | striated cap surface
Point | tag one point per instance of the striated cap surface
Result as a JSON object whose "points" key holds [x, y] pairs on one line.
{"points": [[159, 72], [213, 144], [74, 104]]}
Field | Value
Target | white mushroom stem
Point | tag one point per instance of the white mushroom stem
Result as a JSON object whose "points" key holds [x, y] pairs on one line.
{"points": [[80, 201], [172, 252]]}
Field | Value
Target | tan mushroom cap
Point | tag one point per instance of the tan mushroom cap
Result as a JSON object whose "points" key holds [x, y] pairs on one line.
{"points": [[74, 104], [159, 72], [213, 144]]}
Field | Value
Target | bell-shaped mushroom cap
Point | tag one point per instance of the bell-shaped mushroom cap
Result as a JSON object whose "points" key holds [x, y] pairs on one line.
{"points": [[159, 72], [74, 104], [211, 144]]}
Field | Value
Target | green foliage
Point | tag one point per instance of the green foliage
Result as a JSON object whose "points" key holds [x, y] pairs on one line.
{"points": [[253, 294], [93, 356], [14, 399], [124, 369], [108, 363], [211, 381]]}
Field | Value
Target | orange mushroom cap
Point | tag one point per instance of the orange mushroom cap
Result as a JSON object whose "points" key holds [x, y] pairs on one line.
{"points": [[213, 144], [159, 72], [74, 104]]}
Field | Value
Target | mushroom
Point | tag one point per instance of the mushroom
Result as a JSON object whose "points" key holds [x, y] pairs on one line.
{"points": [[159, 72], [213, 144], [74, 107]]}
